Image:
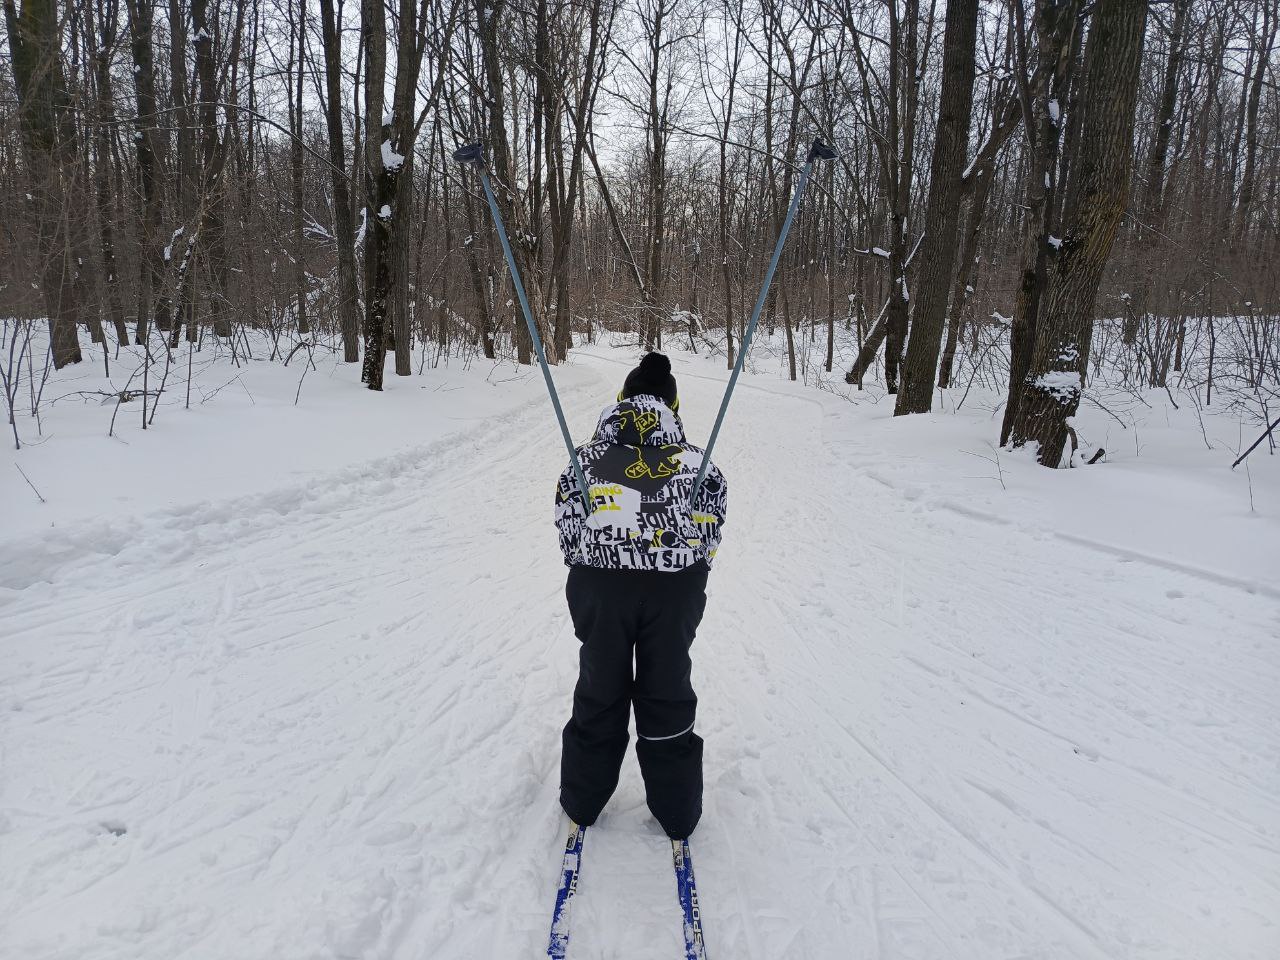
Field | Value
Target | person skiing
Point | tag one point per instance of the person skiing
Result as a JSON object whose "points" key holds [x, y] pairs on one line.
{"points": [[638, 564]]}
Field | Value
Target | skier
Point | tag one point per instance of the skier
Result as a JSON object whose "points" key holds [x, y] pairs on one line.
{"points": [[638, 564]]}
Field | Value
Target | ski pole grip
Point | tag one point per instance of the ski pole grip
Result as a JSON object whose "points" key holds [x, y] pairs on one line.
{"points": [[820, 151], [472, 155]]}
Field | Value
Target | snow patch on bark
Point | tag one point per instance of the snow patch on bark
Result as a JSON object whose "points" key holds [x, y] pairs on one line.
{"points": [[390, 159], [1064, 386]]}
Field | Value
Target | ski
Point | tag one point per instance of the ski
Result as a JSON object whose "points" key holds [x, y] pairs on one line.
{"points": [[559, 942], [687, 889]]}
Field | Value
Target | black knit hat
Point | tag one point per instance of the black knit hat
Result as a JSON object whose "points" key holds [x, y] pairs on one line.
{"points": [[652, 378]]}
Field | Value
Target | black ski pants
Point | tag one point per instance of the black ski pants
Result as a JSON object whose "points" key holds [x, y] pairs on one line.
{"points": [[652, 617]]}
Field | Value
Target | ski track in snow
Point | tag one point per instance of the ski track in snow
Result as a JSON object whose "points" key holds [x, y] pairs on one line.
{"points": [[324, 722]]}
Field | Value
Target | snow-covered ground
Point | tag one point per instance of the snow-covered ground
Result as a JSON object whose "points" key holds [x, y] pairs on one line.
{"points": [[285, 681]]}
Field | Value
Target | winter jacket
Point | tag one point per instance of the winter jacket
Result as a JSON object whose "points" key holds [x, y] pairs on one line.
{"points": [[640, 470]]}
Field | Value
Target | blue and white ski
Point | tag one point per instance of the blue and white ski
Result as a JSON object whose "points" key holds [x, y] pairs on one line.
{"points": [[559, 942], [687, 889]]}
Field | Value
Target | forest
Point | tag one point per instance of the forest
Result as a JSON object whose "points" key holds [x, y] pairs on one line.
{"points": [[1029, 194], [974, 509]]}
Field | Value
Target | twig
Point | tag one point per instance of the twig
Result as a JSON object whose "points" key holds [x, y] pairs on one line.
{"points": [[206, 397], [29, 483], [310, 362], [164, 377], [1097, 403], [996, 460], [298, 346], [1265, 434], [976, 367], [124, 394]]}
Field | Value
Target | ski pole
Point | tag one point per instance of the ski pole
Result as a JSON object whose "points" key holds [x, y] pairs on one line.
{"points": [[473, 155], [819, 151]]}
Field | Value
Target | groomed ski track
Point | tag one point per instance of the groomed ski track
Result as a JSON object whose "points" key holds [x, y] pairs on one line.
{"points": [[323, 721]]}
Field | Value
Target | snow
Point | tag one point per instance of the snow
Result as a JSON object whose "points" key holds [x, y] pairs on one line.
{"points": [[390, 159], [287, 681], [362, 229], [1054, 112], [880, 252], [1062, 384], [168, 249], [1055, 242], [384, 212]]}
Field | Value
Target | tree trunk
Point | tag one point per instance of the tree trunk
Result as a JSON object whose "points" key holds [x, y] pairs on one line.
{"points": [[1096, 197], [48, 141], [343, 225], [378, 195], [101, 39], [959, 309], [867, 352], [1152, 205], [150, 149], [296, 170], [212, 158], [1266, 40], [904, 84], [942, 211], [657, 170], [1056, 25], [523, 239], [724, 202]]}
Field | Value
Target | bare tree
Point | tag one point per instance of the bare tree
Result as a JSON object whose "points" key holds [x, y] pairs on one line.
{"points": [[48, 140], [1095, 201], [942, 215]]}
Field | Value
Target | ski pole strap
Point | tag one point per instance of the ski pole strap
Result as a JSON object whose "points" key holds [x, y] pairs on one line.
{"points": [[819, 151], [473, 154]]}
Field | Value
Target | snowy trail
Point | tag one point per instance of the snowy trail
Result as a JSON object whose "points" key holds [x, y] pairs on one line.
{"points": [[324, 722]]}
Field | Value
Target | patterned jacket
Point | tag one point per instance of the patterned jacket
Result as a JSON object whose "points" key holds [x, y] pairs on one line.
{"points": [[640, 471]]}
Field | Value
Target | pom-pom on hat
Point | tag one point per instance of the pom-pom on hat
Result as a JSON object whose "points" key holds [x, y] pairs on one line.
{"points": [[652, 378]]}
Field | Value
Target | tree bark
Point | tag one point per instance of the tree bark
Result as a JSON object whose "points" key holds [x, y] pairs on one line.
{"points": [[212, 158], [1266, 41], [658, 134], [903, 102], [1041, 96], [101, 39], [378, 195], [524, 241], [48, 140], [942, 217], [150, 150], [723, 206], [1151, 205], [343, 224], [299, 25], [1096, 197]]}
